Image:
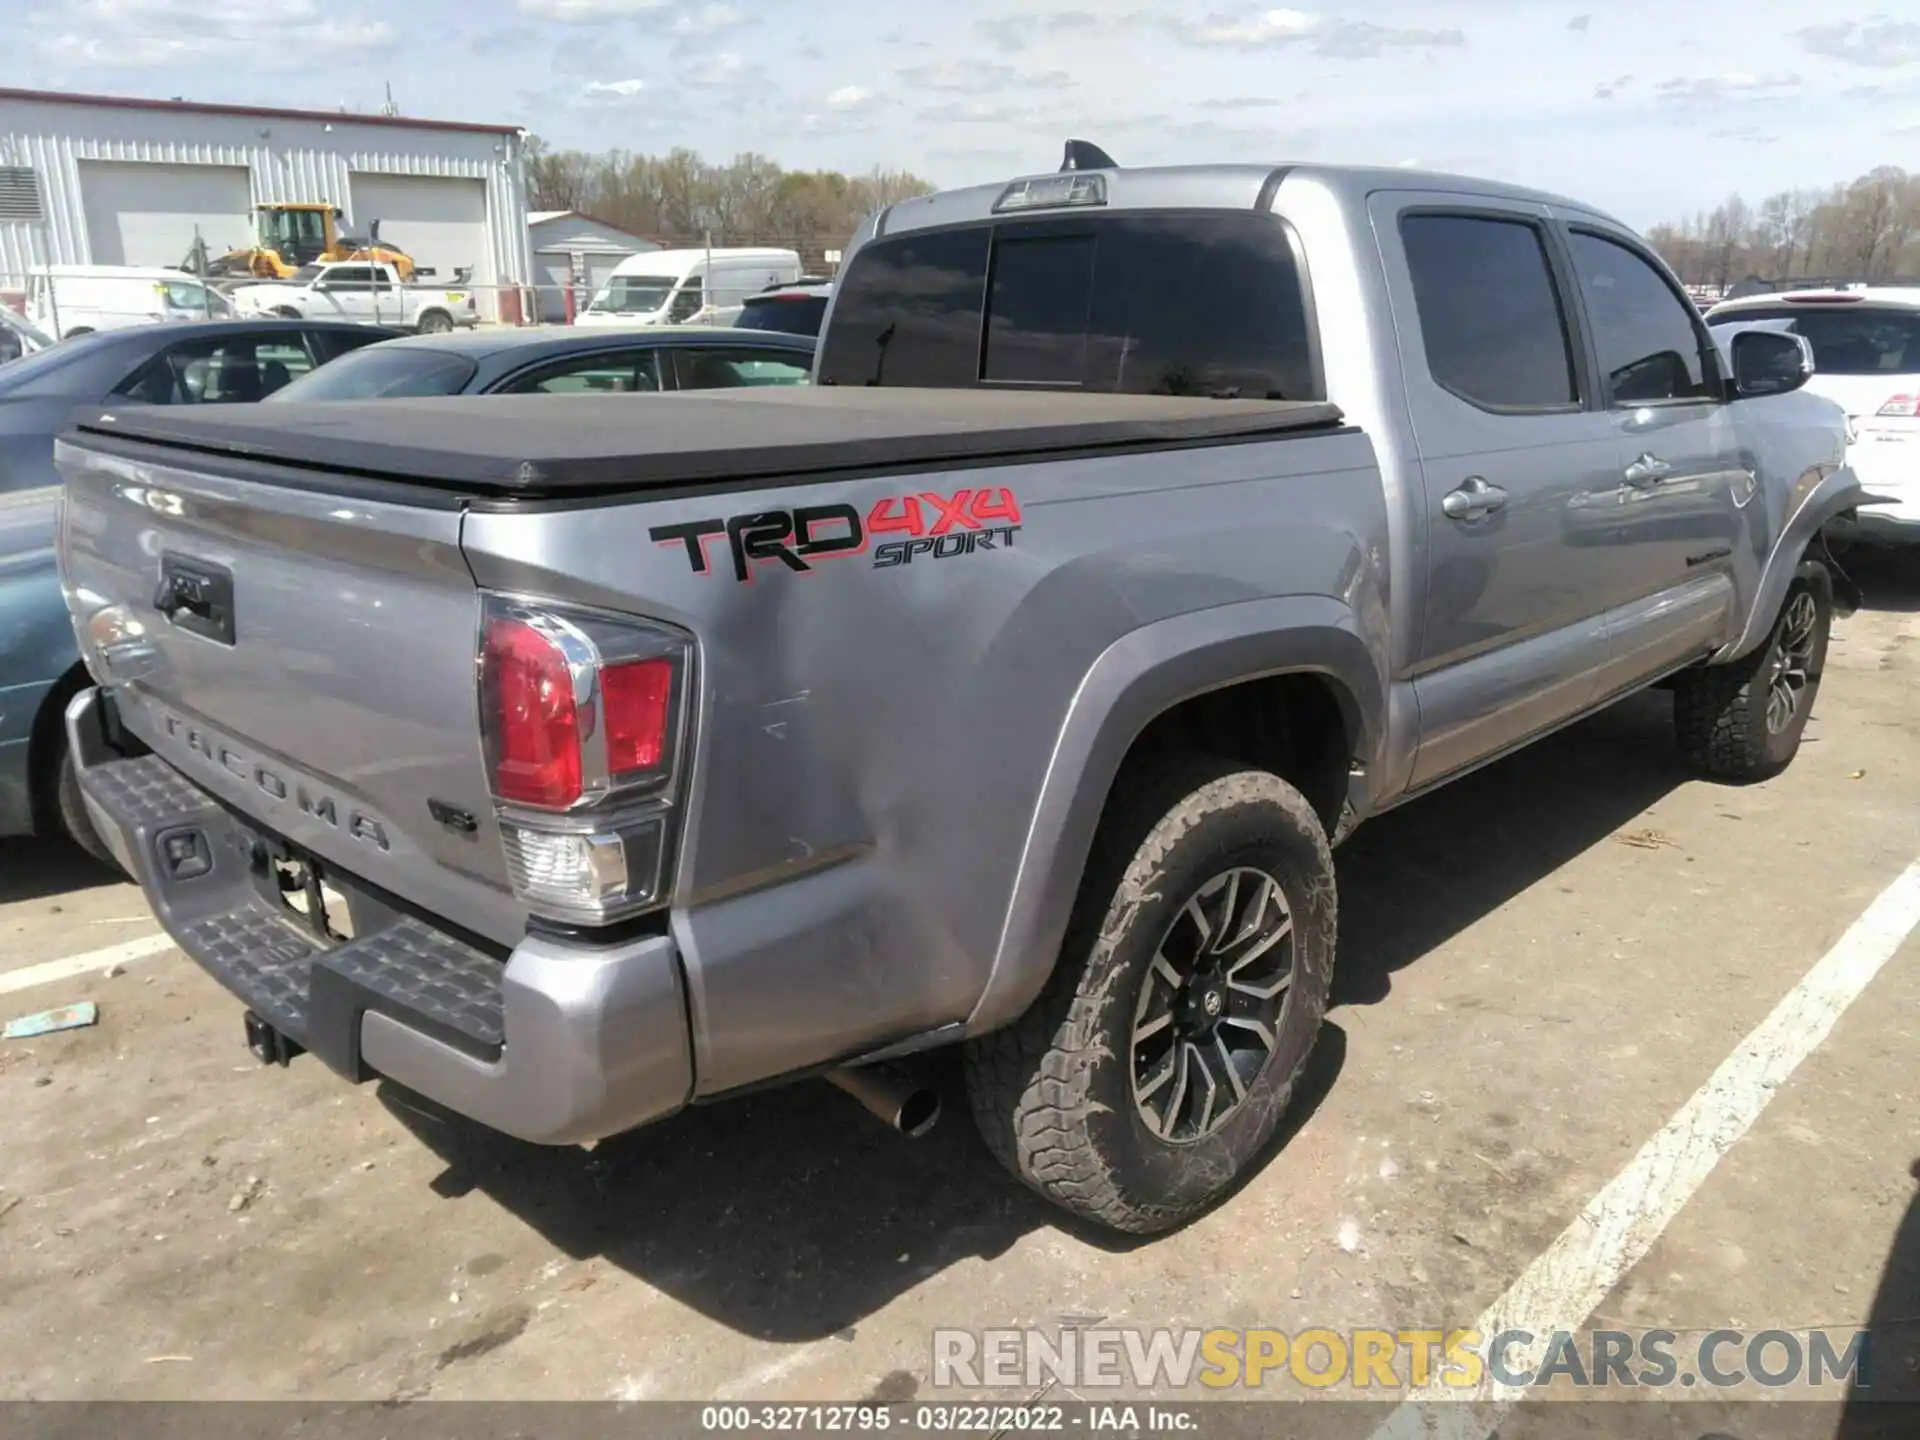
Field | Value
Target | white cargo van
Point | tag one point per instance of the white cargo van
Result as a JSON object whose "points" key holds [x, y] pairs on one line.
{"points": [[687, 287], [69, 300]]}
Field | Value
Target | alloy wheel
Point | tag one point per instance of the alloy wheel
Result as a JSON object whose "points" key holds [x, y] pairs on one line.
{"points": [[1792, 663], [1211, 1005]]}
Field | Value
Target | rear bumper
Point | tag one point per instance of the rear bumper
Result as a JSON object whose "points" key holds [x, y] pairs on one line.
{"points": [[558, 1044], [1886, 457]]}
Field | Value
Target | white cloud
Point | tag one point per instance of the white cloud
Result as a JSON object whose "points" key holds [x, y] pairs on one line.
{"points": [[848, 97], [625, 89], [721, 72], [156, 34], [1268, 28], [977, 77], [707, 20], [1735, 85], [1879, 42], [1324, 35], [1020, 31], [585, 12]]}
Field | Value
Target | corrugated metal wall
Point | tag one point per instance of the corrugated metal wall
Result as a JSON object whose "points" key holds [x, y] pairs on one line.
{"points": [[288, 160]]}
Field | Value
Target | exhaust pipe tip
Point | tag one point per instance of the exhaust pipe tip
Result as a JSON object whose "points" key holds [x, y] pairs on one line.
{"points": [[897, 1101]]}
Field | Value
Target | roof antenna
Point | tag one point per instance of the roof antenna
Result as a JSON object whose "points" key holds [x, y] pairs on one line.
{"points": [[1085, 155]]}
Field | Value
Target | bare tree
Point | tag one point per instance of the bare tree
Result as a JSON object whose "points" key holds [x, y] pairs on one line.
{"points": [[682, 199]]}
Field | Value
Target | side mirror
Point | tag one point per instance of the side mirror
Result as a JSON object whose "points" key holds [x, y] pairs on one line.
{"points": [[1770, 362]]}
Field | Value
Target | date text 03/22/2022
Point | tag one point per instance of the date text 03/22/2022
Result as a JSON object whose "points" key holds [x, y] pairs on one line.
{"points": [[950, 1419]]}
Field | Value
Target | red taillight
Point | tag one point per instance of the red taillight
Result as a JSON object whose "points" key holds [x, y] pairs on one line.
{"points": [[533, 732], [1907, 405], [636, 697]]}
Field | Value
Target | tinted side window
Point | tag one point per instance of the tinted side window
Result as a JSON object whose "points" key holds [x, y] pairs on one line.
{"points": [[220, 371], [1490, 314], [908, 312], [1649, 348]]}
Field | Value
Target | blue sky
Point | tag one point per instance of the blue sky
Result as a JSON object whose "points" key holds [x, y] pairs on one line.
{"points": [[1648, 109]]}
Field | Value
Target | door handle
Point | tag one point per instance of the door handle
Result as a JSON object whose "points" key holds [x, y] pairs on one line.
{"points": [[1648, 470], [1474, 498]]}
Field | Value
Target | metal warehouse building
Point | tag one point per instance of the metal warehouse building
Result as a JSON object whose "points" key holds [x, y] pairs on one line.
{"points": [[108, 180]]}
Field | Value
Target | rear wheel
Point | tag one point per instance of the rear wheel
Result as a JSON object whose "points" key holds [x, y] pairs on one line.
{"points": [[286, 312], [436, 322], [1743, 722], [73, 812], [1160, 1059]]}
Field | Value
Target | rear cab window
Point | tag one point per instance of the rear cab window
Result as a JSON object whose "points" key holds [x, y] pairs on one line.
{"points": [[1202, 303]]}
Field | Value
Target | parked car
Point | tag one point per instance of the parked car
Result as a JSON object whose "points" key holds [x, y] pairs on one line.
{"points": [[69, 300], [1866, 349], [798, 308], [358, 290], [678, 287], [19, 335], [560, 362], [804, 730], [183, 364]]}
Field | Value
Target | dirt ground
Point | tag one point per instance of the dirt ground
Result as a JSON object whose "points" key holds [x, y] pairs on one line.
{"points": [[1538, 965]]}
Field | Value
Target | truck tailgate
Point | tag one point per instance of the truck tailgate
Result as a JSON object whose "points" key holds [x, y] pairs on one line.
{"points": [[306, 657]]}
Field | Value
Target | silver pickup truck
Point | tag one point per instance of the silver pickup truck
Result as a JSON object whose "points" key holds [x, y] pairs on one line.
{"points": [[571, 761]]}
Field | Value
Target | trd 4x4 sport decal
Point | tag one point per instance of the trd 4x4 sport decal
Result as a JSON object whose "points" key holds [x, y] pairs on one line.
{"points": [[938, 527]]}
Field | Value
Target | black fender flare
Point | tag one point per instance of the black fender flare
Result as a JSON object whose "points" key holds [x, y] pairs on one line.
{"points": [[1819, 498], [1136, 679]]}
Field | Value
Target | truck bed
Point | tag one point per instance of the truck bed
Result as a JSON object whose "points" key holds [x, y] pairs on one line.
{"points": [[543, 446]]}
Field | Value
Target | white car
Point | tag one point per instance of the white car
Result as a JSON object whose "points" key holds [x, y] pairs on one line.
{"points": [[1866, 352], [356, 290]]}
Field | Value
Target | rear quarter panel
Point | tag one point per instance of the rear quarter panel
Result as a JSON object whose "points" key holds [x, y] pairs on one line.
{"points": [[874, 738]]}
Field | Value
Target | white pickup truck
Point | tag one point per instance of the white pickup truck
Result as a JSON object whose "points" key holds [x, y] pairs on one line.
{"points": [[358, 290]]}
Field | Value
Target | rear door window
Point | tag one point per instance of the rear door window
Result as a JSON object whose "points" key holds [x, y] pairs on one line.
{"points": [[1203, 304], [1491, 317]]}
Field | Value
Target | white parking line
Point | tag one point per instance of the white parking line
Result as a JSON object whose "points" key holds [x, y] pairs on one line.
{"points": [[1562, 1288], [125, 953]]}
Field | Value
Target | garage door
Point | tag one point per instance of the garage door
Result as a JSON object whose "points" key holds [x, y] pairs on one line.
{"points": [[442, 224], [146, 214]]}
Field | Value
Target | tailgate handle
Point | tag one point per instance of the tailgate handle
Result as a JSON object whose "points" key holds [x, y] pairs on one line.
{"points": [[196, 596]]}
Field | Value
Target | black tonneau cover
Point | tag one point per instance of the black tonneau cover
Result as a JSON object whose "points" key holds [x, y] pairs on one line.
{"points": [[544, 445]]}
